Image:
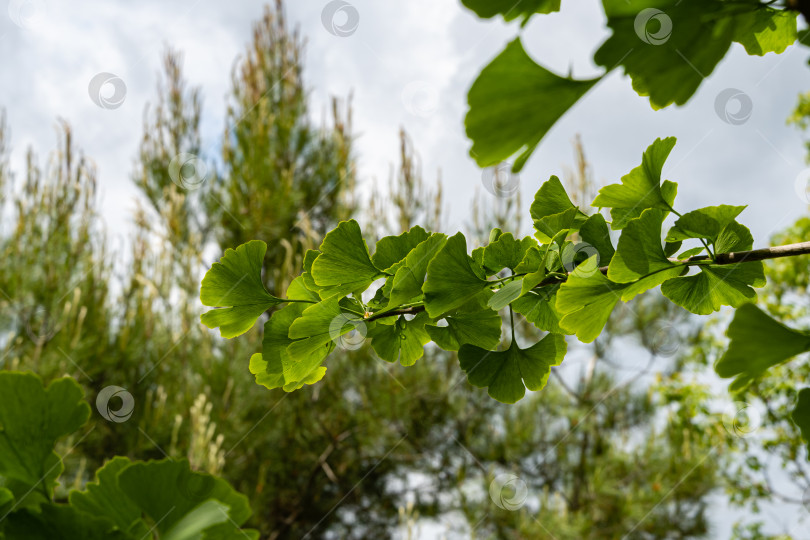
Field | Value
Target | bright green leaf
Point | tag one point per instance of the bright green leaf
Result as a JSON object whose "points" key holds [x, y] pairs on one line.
{"points": [[453, 277], [506, 252], [235, 285], [407, 283], [641, 188], [344, 265], [704, 222], [313, 336], [640, 252], [585, 302], [715, 286], [392, 249]]}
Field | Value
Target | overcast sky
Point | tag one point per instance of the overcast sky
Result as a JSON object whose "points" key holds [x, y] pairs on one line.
{"points": [[408, 63]]}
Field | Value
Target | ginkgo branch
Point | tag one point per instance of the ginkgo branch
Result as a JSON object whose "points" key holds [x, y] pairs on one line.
{"points": [[775, 252]]}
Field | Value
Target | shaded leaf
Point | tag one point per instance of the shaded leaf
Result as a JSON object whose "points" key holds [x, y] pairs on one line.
{"points": [[758, 342], [32, 419], [513, 103], [401, 340], [507, 374]]}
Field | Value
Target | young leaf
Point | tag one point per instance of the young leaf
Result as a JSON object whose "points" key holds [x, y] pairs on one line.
{"points": [[552, 211], [585, 302], [344, 265], [32, 419], [453, 277], [513, 103], [640, 252], [758, 343], [801, 415], [234, 284], [392, 249], [473, 323], [716, 286], [401, 340], [508, 373], [641, 188]]}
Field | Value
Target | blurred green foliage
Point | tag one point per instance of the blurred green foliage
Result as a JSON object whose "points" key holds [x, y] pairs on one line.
{"points": [[611, 448]]}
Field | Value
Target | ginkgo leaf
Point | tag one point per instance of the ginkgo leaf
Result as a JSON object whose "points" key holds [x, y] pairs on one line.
{"points": [[704, 223], [513, 103], [234, 284], [595, 232], [507, 374], [453, 277], [552, 212], [268, 366], [716, 286], [758, 342], [392, 249], [585, 301], [640, 251], [103, 497], [185, 504], [408, 280], [313, 336], [641, 188], [506, 295], [473, 323], [765, 30], [59, 522], [538, 307], [344, 265], [401, 339], [668, 47], [734, 237], [32, 418], [510, 10], [801, 415], [505, 251]]}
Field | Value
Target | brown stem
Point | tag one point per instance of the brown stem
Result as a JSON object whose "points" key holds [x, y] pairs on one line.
{"points": [[802, 6], [775, 252]]}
